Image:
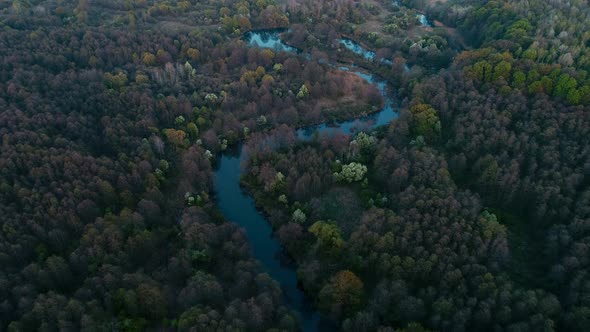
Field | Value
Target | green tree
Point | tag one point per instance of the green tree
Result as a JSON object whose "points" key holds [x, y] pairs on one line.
{"points": [[328, 237], [482, 71], [502, 69], [573, 96], [198, 319], [303, 92], [352, 172], [116, 81], [425, 121], [585, 95], [565, 83], [519, 31], [192, 129], [283, 199], [491, 227], [488, 169], [211, 98], [363, 141], [518, 79], [141, 78], [299, 217]]}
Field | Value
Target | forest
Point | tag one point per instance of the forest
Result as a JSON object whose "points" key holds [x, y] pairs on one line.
{"points": [[469, 211]]}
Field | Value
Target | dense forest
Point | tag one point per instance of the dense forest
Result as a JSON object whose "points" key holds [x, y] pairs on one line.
{"points": [[469, 211]]}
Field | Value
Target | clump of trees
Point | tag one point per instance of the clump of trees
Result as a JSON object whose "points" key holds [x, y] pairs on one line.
{"points": [[351, 172], [109, 136], [104, 130], [473, 202], [401, 260]]}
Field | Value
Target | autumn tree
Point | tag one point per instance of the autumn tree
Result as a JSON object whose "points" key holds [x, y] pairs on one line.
{"points": [[342, 295]]}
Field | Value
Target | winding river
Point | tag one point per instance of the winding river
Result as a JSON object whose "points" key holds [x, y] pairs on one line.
{"points": [[239, 207]]}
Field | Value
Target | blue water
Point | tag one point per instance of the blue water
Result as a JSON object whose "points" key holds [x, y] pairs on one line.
{"points": [[268, 39], [271, 39], [357, 49], [423, 20], [367, 123], [238, 207], [367, 54], [421, 17]]}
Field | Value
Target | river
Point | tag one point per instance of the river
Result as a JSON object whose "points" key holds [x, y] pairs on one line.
{"points": [[423, 20], [239, 207]]}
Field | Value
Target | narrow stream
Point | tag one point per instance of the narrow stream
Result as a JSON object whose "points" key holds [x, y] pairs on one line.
{"points": [[238, 207]]}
